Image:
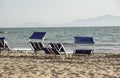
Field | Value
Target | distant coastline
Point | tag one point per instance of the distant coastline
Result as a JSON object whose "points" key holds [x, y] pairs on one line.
{"points": [[100, 21]]}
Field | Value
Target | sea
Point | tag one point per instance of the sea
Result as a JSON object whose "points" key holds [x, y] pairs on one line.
{"points": [[107, 39]]}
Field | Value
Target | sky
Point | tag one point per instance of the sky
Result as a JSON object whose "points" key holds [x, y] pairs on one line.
{"points": [[17, 12]]}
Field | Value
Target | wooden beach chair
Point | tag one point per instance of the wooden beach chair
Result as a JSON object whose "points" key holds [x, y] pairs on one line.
{"points": [[4, 45], [84, 41], [36, 41]]}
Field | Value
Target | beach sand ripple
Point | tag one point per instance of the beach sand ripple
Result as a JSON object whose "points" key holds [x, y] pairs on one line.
{"points": [[98, 66]]}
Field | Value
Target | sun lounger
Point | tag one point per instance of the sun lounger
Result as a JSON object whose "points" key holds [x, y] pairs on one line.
{"points": [[37, 46], [58, 46], [53, 52], [86, 41], [4, 45], [61, 49], [36, 41]]}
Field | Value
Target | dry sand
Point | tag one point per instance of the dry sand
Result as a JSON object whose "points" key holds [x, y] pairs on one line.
{"points": [[97, 66]]}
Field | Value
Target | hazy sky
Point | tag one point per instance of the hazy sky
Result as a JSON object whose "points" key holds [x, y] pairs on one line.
{"points": [[16, 12]]}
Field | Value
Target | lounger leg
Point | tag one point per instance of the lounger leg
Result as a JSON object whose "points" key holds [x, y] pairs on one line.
{"points": [[55, 58], [35, 54], [26, 52], [8, 53], [18, 52], [63, 58], [72, 57], [0, 51], [45, 57]]}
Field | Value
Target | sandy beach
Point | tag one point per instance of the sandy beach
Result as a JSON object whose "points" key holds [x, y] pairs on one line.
{"points": [[22, 66]]}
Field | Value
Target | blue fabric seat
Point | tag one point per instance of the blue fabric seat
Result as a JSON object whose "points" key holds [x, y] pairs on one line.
{"points": [[37, 46], [83, 40], [57, 46], [53, 52], [83, 51], [38, 35]]}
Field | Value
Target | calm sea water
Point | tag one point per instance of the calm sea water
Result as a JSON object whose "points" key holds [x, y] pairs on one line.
{"points": [[107, 39]]}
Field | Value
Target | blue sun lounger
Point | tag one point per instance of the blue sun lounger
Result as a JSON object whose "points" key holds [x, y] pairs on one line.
{"points": [[4, 45], [58, 46], [83, 40], [36, 41], [52, 52]]}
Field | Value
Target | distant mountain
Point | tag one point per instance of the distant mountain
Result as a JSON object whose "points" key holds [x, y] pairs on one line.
{"points": [[107, 20]]}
